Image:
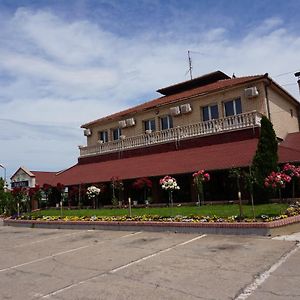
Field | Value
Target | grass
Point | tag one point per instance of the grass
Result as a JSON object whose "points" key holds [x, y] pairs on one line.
{"points": [[207, 210]]}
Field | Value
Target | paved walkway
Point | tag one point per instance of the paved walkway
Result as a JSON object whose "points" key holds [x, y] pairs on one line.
{"points": [[71, 264]]}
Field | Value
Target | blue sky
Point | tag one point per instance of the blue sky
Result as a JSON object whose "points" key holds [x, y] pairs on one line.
{"points": [[64, 63]]}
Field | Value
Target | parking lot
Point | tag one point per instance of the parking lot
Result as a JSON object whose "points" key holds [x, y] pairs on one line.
{"points": [[73, 264]]}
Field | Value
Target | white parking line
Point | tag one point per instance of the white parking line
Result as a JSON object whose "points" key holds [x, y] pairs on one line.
{"points": [[44, 240], [43, 258], [247, 291], [58, 254], [121, 267]]}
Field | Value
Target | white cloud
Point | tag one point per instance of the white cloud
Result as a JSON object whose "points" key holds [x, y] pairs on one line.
{"points": [[60, 74]]}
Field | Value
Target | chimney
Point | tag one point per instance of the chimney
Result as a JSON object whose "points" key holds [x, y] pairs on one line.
{"points": [[297, 74]]}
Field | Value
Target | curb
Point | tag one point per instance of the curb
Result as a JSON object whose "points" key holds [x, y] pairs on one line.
{"points": [[283, 226]]}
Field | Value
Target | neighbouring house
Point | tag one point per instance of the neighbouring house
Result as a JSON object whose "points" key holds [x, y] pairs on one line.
{"points": [[211, 122], [23, 178]]}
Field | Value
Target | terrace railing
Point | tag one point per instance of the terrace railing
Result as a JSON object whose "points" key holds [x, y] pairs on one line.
{"points": [[241, 121]]}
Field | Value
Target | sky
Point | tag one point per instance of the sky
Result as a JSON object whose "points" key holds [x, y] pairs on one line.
{"points": [[65, 63]]}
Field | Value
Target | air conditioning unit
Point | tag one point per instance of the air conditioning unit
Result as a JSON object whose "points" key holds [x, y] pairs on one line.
{"points": [[87, 132], [130, 122], [122, 137], [186, 108], [251, 92], [148, 131], [175, 111], [122, 123], [100, 141]]}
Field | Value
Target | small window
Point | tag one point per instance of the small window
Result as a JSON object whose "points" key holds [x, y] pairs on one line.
{"points": [[292, 112], [210, 112], [233, 107], [103, 136], [116, 134], [149, 125], [166, 122]]}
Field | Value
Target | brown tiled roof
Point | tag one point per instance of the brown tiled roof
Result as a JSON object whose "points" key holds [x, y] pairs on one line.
{"points": [[45, 177], [209, 88], [292, 140], [213, 157]]}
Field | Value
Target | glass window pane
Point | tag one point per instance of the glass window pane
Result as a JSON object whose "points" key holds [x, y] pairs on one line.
{"points": [[152, 125], [164, 123], [116, 134], [170, 122], [229, 111], [238, 106], [103, 135], [214, 112], [205, 113]]}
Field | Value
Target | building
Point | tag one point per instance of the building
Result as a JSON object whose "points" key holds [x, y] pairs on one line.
{"points": [[211, 122], [25, 178]]}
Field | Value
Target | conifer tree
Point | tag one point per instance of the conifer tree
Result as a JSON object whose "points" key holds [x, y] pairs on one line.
{"points": [[266, 157]]}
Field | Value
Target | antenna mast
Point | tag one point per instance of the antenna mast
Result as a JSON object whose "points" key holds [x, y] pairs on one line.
{"points": [[190, 64]]}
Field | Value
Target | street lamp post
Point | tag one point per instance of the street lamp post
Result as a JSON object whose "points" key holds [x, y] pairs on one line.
{"points": [[1, 166]]}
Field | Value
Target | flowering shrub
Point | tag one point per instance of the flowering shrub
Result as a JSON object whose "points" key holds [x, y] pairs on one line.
{"points": [[116, 183], [277, 180], [142, 183], [201, 176], [92, 192], [291, 170], [169, 183]]}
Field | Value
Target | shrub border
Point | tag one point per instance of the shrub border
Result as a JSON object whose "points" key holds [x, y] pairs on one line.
{"points": [[286, 225]]}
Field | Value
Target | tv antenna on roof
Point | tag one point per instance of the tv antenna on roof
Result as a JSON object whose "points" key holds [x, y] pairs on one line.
{"points": [[190, 64], [190, 70]]}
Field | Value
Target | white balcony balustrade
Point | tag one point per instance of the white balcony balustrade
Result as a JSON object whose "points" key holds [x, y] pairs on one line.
{"points": [[241, 121]]}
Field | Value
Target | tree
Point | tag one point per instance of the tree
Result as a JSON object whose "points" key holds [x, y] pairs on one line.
{"points": [[266, 157]]}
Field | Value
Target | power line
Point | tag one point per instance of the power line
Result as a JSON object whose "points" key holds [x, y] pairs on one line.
{"points": [[286, 73], [291, 83]]}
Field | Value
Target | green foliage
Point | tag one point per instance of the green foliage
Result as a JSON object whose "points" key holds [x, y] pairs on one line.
{"points": [[266, 157], [7, 204]]}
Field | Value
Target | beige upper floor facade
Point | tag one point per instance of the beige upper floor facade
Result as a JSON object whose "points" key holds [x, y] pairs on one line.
{"points": [[218, 100]]}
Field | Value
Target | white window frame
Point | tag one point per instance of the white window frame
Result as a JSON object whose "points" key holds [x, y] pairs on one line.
{"points": [[209, 111], [168, 122], [234, 106], [104, 134], [149, 123], [119, 133]]}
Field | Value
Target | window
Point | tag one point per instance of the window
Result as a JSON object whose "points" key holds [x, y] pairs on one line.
{"points": [[116, 133], [149, 125], [210, 112], [233, 107], [292, 112], [166, 122], [103, 136]]}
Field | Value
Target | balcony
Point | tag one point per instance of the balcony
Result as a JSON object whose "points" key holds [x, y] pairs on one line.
{"points": [[241, 121]]}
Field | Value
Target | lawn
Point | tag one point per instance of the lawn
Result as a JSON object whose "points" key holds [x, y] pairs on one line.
{"points": [[207, 210]]}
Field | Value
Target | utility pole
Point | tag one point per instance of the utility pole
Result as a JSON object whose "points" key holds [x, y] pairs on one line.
{"points": [[297, 74]]}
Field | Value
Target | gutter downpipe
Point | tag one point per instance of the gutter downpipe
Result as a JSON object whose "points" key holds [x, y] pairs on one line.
{"points": [[267, 96], [299, 107]]}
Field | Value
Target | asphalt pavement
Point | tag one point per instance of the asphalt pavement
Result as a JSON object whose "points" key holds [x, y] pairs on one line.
{"points": [[99, 264]]}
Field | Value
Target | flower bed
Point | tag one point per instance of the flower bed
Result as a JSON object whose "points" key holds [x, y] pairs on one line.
{"points": [[292, 210]]}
